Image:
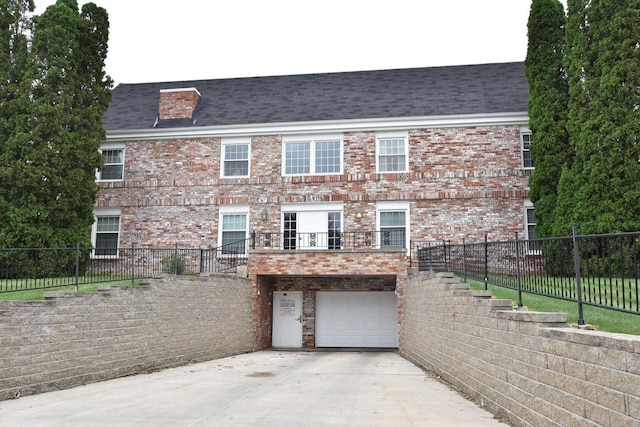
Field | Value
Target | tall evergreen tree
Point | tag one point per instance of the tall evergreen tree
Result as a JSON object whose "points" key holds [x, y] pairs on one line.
{"points": [[51, 155], [548, 97], [600, 189]]}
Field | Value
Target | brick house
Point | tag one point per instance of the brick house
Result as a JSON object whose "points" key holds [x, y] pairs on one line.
{"points": [[336, 174]]}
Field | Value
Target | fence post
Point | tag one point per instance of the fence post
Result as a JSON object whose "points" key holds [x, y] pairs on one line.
{"points": [[518, 278], [444, 253], [486, 262], [253, 239], [77, 264], [576, 258], [410, 253], [175, 261], [464, 261], [133, 266]]}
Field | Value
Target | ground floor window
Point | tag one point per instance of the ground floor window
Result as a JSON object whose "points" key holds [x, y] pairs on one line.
{"points": [[530, 226], [105, 232], [393, 220], [233, 232]]}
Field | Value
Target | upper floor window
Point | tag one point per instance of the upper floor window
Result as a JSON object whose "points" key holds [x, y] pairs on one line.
{"points": [[312, 155], [392, 153], [105, 232], [525, 139], [113, 168], [235, 157]]}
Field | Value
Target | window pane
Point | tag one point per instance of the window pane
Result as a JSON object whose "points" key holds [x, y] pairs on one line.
{"points": [[391, 155], [334, 221], [112, 156], [392, 237], [392, 163], [113, 164], [234, 223], [391, 146], [327, 156], [229, 237], [392, 219], [111, 172], [236, 160], [106, 224], [236, 152], [236, 168], [106, 244], [297, 158], [527, 159]]}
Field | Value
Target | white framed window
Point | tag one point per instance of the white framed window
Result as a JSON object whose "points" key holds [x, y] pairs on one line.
{"points": [[236, 155], [105, 232], [525, 143], [233, 230], [393, 225], [392, 152], [312, 155], [530, 226], [113, 167]]}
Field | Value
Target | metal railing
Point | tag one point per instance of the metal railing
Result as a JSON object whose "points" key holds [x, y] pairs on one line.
{"points": [[332, 240], [27, 269], [597, 270]]}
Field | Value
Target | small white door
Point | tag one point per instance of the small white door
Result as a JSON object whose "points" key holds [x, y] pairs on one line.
{"points": [[287, 319]]}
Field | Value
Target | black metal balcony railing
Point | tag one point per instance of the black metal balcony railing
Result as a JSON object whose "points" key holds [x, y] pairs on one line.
{"points": [[332, 240]]}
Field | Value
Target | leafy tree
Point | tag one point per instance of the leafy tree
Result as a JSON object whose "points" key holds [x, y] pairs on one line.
{"points": [[599, 188], [47, 182], [548, 97]]}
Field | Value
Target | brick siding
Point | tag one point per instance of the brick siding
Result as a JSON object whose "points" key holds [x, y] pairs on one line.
{"points": [[463, 182]]}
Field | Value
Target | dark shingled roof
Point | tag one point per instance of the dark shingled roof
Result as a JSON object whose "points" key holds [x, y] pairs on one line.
{"points": [[413, 92]]}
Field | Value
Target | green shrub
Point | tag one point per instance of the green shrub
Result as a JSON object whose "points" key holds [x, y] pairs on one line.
{"points": [[172, 265]]}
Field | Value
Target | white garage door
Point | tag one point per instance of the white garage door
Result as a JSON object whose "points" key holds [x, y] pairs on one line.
{"points": [[356, 319]]}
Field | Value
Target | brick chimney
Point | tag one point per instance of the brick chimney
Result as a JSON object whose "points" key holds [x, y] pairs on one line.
{"points": [[178, 103]]}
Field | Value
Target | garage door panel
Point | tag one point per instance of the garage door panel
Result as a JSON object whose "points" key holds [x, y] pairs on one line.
{"points": [[356, 319]]}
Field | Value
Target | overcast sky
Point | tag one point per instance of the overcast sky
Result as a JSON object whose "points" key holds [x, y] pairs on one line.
{"points": [[154, 40]]}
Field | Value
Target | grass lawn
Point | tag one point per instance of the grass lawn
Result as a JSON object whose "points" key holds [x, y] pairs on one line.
{"points": [[602, 319], [37, 294]]}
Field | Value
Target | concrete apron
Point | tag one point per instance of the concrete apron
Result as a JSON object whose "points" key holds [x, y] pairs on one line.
{"points": [[267, 388]]}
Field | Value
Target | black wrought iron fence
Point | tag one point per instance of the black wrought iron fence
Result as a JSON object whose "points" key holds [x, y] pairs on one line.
{"points": [[598, 270], [25, 269], [293, 240]]}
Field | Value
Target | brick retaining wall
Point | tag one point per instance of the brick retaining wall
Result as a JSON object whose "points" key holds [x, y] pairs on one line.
{"points": [[527, 367], [73, 339]]}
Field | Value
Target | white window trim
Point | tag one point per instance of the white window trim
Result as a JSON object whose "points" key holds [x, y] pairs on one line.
{"points": [[525, 131], [235, 141], [233, 210], [111, 146], [312, 139], [105, 212], [395, 206], [396, 135]]}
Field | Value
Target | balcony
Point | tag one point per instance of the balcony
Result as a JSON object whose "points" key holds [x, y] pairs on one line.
{"points": [[386, 240]]}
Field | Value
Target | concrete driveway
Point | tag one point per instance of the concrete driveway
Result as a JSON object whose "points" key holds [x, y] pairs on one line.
{"points": [[267, 388]]}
